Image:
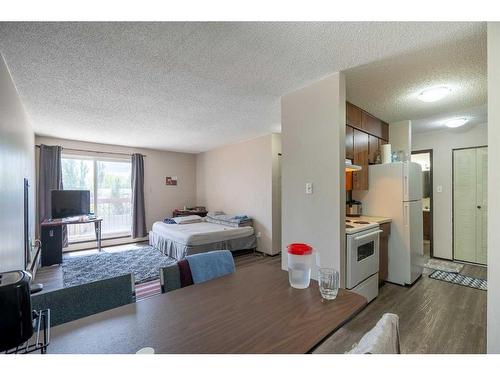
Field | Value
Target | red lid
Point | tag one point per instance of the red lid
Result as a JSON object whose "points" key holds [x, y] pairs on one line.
{"points": [[299, 249]]}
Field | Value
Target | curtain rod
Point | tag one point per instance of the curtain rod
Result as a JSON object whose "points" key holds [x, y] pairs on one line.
{"points": [[96, 152]]}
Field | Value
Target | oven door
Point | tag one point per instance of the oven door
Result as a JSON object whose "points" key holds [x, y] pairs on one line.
{"points": [[362, 256]]}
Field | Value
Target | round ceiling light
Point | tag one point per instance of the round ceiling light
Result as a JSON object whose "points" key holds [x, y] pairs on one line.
{"points": [[456, 122], [434, 94]]}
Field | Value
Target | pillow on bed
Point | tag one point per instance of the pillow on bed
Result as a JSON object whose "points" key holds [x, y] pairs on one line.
{"points": [[190, 219]]}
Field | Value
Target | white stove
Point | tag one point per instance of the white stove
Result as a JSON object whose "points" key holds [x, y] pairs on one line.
{"points": [[362, 257], [354, 225]]}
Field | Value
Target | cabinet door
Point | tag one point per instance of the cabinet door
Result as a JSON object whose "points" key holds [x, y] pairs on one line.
{"points": [[385, 131], [371, 125], [360, 178], [353, 115], [373, 148], [349, 142]]}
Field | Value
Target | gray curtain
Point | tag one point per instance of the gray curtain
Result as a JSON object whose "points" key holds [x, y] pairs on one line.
{"points": [[50, 178], [138, 210]]}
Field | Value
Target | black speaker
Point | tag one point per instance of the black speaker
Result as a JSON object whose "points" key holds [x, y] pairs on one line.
{"points": [[16, 321]]}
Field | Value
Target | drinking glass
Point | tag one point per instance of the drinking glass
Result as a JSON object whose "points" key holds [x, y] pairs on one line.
{"points": [[328, 281]]}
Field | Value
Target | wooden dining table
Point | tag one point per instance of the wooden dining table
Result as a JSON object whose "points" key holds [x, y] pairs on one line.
{"points": [[253, 310]]}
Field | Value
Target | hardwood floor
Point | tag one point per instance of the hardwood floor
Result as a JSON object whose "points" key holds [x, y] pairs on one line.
{"points": [[435, 316]]}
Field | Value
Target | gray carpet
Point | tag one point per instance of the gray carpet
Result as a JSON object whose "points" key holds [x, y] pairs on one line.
{"points": [[144, 263]]}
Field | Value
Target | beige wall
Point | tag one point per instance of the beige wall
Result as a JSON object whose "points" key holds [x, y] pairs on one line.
{"points": [[493, 326], [442, 143], [276, 205], [16, 163], [237, 179], [160, 199], [313, 141]]}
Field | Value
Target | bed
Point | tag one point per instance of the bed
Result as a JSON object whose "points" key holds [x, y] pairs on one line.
{"points": [[179, 240]]}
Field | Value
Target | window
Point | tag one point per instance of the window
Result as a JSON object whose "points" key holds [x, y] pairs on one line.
{"points": [[109, 182]]}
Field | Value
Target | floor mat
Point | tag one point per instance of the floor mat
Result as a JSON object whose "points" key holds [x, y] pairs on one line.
{"points": [[443, 265], [455, 278], [144, 263]]}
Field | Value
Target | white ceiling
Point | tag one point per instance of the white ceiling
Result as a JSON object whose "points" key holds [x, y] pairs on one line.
{"points": [[388, 88], [475, 115], [195, 86]]}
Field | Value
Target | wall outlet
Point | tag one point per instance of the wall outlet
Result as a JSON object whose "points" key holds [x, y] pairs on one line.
{"points": [[258, 235], [439, 188], [309, 188]]}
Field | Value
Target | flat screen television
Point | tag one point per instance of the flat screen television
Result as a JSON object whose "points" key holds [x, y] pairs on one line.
{"points": [[67, 203]]}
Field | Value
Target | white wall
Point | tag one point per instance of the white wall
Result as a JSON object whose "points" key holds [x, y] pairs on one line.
{"points": [[313, 142], [16, 163], [276, 165], [400, 137], [493, 324], [160, 200], [238, 179], [442, 143]]}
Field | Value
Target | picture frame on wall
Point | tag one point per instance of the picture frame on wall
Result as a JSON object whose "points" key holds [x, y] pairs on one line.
{"points": [[171, 181]]}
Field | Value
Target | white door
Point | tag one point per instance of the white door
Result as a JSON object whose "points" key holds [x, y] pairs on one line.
{"points": [[469, 204]]}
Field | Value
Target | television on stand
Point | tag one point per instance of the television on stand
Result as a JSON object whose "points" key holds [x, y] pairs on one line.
{"points": [[68, 203]]}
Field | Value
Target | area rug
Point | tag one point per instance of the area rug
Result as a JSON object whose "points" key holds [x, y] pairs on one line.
{"points": [[144, 263], [443, 265], [455, 278]]}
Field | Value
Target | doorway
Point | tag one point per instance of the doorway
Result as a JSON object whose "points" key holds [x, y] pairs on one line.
{"points": [[424, 158], [470, 179]]}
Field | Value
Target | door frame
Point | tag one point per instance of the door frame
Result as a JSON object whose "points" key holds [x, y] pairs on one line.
{"points": [[431, 158], [453, 203]]}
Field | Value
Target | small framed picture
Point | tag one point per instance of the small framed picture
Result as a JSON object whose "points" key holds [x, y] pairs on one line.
{"points": [[171, 181]]}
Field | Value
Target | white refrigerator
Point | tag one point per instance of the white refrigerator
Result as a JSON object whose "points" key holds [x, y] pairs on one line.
{"points": [[395, 191]]}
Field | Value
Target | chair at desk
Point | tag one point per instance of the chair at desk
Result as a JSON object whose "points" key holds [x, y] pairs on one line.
{"points": [[78, 301], [196, 269]]}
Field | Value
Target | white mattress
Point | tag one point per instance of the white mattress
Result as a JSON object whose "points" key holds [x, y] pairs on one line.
{"points": [[200, 233]]}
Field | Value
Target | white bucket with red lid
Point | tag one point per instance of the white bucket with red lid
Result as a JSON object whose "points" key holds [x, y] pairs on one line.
{"points": [[300, 261]]}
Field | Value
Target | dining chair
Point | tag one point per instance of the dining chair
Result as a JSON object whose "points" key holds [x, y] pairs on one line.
{"points": [[381, 339], [78, 301], [196, 269]]}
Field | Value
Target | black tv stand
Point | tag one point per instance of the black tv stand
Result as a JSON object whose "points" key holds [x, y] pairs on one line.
{"points": [[52, 236]]}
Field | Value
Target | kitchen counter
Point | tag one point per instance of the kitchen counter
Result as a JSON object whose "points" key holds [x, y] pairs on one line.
{"points": [[373, 219]]}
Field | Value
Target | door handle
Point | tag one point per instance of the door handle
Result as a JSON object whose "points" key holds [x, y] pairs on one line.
{"points": [[367, 235], [479, 207]]}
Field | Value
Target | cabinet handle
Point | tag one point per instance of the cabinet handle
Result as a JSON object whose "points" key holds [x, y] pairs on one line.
{"points": [[479, 207]]}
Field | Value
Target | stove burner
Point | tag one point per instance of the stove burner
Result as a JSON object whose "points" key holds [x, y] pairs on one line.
{"points": [[347, 226], [361, 222]]}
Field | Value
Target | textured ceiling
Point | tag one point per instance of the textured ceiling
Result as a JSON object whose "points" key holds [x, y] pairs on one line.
{"points": [[388, 88], [476, 115], [195, 86]]}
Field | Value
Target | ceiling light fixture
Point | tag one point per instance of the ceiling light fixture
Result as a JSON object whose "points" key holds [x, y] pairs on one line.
{"points": [[434, 94], [456, 122]]}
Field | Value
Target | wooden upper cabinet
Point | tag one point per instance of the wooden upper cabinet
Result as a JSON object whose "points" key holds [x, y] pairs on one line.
{"points": [[360, 178], [385, 132], [373, 148], [353, 115], [371, 125], [349, 142]]}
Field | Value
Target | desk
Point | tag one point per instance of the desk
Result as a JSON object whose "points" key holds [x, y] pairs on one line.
{"points": [[52, 242], [253, 310]]}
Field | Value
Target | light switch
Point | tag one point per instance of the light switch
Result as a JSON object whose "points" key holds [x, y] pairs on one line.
{"points": [[439, 188], [309, 188]]}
